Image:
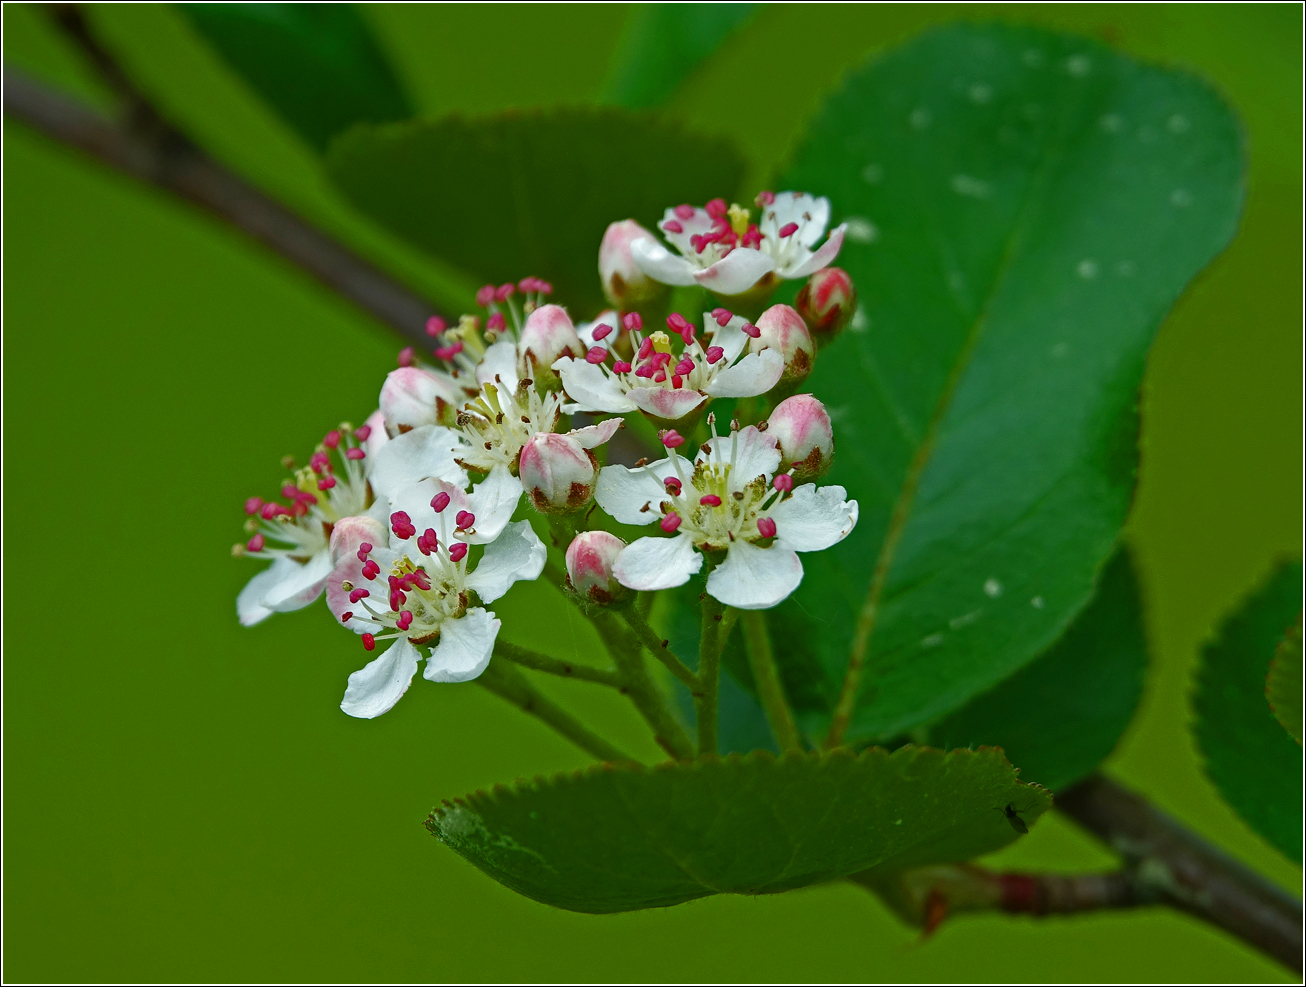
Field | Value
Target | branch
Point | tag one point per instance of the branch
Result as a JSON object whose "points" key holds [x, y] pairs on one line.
{"points": [[150, 149], [1180, 869]]}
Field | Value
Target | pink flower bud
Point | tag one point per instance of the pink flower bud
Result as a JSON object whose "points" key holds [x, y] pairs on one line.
{"points": [[548, 335], [782, 329], [827, 303], [413, 396], [590, 558], [624, 284], [557, 473], [802, 428]]}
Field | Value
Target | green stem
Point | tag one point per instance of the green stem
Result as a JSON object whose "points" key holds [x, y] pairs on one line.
{"points": [[657, 647], [770, 690], [709, 665], [641, 689], [507, 682], [556, 666]]}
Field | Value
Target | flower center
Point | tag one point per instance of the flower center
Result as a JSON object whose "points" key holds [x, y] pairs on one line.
{"points": [[499, 422]]}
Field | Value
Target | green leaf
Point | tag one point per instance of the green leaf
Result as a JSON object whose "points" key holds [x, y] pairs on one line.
{"points": [[617, 838], [529, 193], [663, 43], [1027, 206], [317, 64], [1253, 763], [1283, 686], [1061, 715]]}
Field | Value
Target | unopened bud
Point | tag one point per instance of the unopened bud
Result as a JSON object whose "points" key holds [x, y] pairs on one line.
{"points": [[590, 558], [548, 335], [782, 329], [802, 428], [624, 284], [557, 473], [827, 303], [413, 396]]}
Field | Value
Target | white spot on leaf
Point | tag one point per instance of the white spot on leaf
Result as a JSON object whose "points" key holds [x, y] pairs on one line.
{"points": [[970, 186], [1111, 123], [1087, 269], [1059, 350], [872, 174], [1177, 123], [980, 93], [1126, 268], [1032, 57], [920, 118], [1037, 603], [861, 230], [1181, 197], [932, 641], [860, 320], [964, 620], [1078, 65], [992, 587]]}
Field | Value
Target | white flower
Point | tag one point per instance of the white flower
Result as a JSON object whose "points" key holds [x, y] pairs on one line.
{"points": [[722, 251], [668, 385], [412, 584], [724, 502]]}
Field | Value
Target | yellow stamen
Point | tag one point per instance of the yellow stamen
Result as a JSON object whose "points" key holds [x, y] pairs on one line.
{"points": [[661, 342], [739, 217]]}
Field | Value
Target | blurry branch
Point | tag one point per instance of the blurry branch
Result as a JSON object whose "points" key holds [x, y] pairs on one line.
{"points": [[145, 146]]}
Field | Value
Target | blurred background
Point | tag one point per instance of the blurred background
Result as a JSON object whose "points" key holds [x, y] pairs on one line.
{"points": [[183, 798]]}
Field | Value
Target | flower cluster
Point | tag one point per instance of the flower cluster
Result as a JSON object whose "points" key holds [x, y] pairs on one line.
{"points": [[405, 523]]}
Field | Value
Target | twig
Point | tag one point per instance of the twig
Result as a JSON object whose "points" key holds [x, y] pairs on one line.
{"points": [[710, 643], [770, 690], [657, 647], [556, 666], [640, 688]]}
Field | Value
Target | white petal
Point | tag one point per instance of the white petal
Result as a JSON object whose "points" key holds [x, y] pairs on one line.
{"points": [[378, 685], [500, 360], [465, 647], [661, 264], [736, 272], [814, 518], [753, 454], [592, 389], [657, 563], [585, 330], [250, 607], [415, 501], [624, 493], [376, 438], [350, 532], [753, 578], [516, 554], [755, 374], [301, 587], [425, 451], [822, 258], [668, 403], [794, 207], [592, 436], [700, 222], [730, 337], [493, 501]]}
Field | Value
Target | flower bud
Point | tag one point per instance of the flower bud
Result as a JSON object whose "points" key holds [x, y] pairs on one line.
{"points": [[413, 396], [803, 431], [624, 284], [782, 329], [827, 303], [548, 335], [590, 558], [557, 473]]}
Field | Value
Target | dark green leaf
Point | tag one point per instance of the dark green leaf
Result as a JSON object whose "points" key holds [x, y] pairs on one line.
{"points": [[1255, 765], [529, 193], [613, 839], [1029, 205], [1061, 715], [317, 64], [1283, 686], [663, 43]]}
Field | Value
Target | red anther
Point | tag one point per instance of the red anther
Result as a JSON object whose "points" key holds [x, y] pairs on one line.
{"points": [[621, 367], [671, 438], [544, 288], [645, 371], [722, 315], [299, 510], [255, 544], [355, 453], [504, 291], [427, 542], [406, 357], [363, 549], [752, 238], [402, 525], [751, 330], [457, 550], [318, 461], [327, 483], [603, 331], [358, 594], [728, 237], [596, 354], [684, 366], [369, 642], [465, 520], [710, 500], [405, 620], [687, 334], [269, 510], [397, 599], [716, 208], [789, 229], [764, 199], [331, 439], [645, 348], [362, 432], [252, 504], [698, 242], [670, 523], [290, 492], [527, 284], [485, 295], [448, 352], [660, 377], [371, 570], [420, 579], [435, 325], [673, 486], [766, 527], [784, 483], [677, 382], [685, 211], [661, 359], [347, 616], [439, 502], [632, 321], [714, 353], [673, 226], [495, 323]]}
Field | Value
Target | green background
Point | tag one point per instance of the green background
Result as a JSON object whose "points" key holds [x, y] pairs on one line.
{"points": [[183, 798]]}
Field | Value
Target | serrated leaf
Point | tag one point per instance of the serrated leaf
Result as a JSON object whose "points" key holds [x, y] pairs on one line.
{"points": [[317, 64], [1026, 207], [618, 838], [663, 43], [1249, 758], [529, 193], [1061, 715], [1283, 686]]}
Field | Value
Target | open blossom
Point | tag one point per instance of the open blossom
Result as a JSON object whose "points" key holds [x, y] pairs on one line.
{"points": [[411, 580], [728, 500], [668, 384], [722, 250], [295, 534]]}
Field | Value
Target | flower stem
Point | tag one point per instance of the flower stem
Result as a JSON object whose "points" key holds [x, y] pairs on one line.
{"points": [[556, 666], [658, 648], [642, 690], [770, 690], [507, 682], [709, 666]]}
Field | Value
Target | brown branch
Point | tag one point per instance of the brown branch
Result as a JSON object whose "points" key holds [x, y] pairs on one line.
{"points": [[148, 148]]}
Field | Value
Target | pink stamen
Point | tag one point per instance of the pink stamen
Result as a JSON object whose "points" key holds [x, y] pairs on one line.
{"points": [[331, 439], [450, 351], [543, 287], [363, 432], [435, 325], [427, 542], [751, 330], [714, 353], [661, 359], [684, 366], [358, 594], [252, 505], [405, 620], [672, 485], [671, 438], [789, 229], [764, 199], [677, 381], [660, 377], [457, 550], [672, 226], [699, 243], [370, 569], [355, 453], [505, 291], [621, 367], [597, 354], [632, 321], [465, 520], [420, 579], [784, 483], [290, 492], [645, 348], [363, 549], [752, 238], [716, 208], [318, 462], [766, 527], [347, 616], [670, 523], [406, 357], [369, 642], [485, 295], [645, 371], [439, 502], [326, 484], [685, 211], [255, 544], [710, 500], [495, 323], [270, 510], [722, 315], [528, 284], [602, 332], [402, 525]]}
